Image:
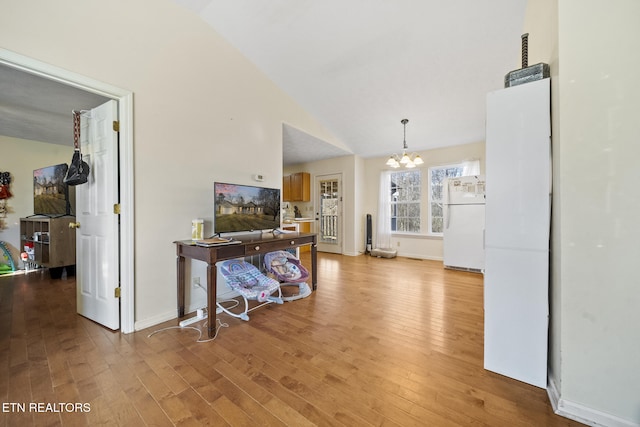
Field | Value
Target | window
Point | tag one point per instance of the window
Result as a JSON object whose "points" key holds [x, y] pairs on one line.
{"points": [[437, 176], [416, 200], [405, 201]]}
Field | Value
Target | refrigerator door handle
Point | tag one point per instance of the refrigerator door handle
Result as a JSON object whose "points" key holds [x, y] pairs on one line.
{"points": [[447, 216]]}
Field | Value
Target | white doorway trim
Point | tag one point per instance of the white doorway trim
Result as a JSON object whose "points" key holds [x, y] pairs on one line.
{"points": [[336, 247], [125, 113]]}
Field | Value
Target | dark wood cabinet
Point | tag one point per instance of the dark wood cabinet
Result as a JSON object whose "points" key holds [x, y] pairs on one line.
{"points": [[249, 245], [51, 242]]}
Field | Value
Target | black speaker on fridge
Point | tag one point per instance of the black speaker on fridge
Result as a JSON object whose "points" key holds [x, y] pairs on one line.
{"points": [[368, 235]]}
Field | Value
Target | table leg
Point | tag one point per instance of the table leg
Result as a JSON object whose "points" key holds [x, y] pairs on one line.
{"points": [[180, 262], [314, 265], [212, 290]]}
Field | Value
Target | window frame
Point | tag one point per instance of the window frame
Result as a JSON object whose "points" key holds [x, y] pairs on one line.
{"points": [[420, 203], [426, 214], [430, 201]]}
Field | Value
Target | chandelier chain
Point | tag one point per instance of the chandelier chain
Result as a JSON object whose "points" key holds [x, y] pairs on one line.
{"points": [[404, 139]]}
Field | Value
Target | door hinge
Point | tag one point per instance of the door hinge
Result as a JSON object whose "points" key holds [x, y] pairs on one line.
{"points": [[116, 126], [116, 208], [117, 292]]}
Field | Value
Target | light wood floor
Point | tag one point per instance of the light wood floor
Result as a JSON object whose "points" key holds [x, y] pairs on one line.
{"points": [[382, 342]]}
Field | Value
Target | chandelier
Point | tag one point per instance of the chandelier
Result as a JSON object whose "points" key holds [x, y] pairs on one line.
{"points": [[408, 160]]}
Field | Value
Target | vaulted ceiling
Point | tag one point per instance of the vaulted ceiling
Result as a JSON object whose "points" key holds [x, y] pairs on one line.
{"points": [[357, 66], [361, 66]]}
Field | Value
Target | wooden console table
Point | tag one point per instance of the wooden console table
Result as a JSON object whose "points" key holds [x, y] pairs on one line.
{"points": [[251, 244]]}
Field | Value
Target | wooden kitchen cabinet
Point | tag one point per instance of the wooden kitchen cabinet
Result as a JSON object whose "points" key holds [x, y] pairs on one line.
{"points": [[296, 187], [286, 188], [305, 227], [301, 227]]}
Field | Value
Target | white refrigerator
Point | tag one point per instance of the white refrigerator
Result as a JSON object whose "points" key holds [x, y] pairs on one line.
{"points": [[463, 225], [518, 208]]}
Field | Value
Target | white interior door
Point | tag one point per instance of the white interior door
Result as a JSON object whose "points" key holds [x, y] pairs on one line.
{"points": [[97, 238], [329, 213]]}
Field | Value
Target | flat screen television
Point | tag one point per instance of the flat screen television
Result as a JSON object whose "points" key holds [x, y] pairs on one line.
{"points": [[50, 193], [245, 208]]}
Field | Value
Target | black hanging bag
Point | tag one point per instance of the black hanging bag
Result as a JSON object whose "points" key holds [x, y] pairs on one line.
{"points": [[78, 172]]}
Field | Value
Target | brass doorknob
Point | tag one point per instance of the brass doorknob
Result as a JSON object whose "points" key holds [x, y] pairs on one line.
{"points": [[74, 225]]}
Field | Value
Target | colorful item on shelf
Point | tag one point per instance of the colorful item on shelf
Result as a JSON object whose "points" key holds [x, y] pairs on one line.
{"points": [[5, 182], [5, 193]]}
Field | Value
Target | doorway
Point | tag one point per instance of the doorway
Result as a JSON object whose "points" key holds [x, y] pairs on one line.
{"points": [[329, 212], [125, 106]]}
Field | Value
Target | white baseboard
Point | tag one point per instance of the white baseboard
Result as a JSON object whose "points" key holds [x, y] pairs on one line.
{"points": [[419, 256], [192, 307], [155, 320], [581, 413], [352, 253]]}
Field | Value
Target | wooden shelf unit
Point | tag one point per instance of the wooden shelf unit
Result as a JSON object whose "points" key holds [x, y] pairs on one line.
{"points": [[54, 243]]}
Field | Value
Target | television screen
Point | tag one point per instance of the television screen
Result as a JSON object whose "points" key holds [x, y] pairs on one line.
{"points": [[50, 193], [245, 208]]}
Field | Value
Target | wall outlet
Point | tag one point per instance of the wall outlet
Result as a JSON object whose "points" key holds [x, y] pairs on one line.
{"points": [[398, 243]]}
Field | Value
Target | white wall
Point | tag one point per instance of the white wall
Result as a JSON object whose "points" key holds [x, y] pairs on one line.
{"points": [[599, 110], [20, 157], [202, 113], [595, 343], [350, 168], [360, 192], [422, 247]]}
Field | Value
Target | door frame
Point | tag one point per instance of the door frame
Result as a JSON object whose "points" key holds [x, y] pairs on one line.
{"points": [[125, 118], [318, 178]]}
